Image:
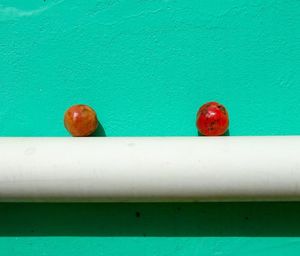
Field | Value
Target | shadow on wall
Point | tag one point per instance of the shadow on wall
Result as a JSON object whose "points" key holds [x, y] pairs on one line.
{"points": [[150, 219], [100, 132], [227, 133]]}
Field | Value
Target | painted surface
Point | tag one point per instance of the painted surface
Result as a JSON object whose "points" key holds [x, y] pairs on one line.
{"points": [[146, 66]]}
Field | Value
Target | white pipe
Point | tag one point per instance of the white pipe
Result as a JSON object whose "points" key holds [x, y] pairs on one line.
{"points": [[150, 169]]}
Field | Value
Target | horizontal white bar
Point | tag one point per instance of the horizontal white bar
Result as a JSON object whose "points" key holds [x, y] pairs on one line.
{"points": [[150, 169]]}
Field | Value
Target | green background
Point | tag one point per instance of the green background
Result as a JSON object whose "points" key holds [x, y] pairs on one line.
{"points": [[146, 66]]}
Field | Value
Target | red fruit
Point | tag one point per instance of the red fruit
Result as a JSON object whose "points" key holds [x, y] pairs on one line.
{"points": [[80, 120], [212, 119]]}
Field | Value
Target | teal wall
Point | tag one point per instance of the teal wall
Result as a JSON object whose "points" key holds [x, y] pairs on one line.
{"points": [[146, 66]]}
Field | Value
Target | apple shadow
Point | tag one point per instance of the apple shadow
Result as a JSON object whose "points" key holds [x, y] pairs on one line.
{"points": [[100, 132], [227, 133]]}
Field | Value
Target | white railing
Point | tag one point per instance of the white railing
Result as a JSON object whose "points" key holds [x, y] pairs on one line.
{"points": [[150, 169]]}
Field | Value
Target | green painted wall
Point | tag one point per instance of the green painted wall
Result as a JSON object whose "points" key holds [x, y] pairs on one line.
{"points": [[146, 66]]}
